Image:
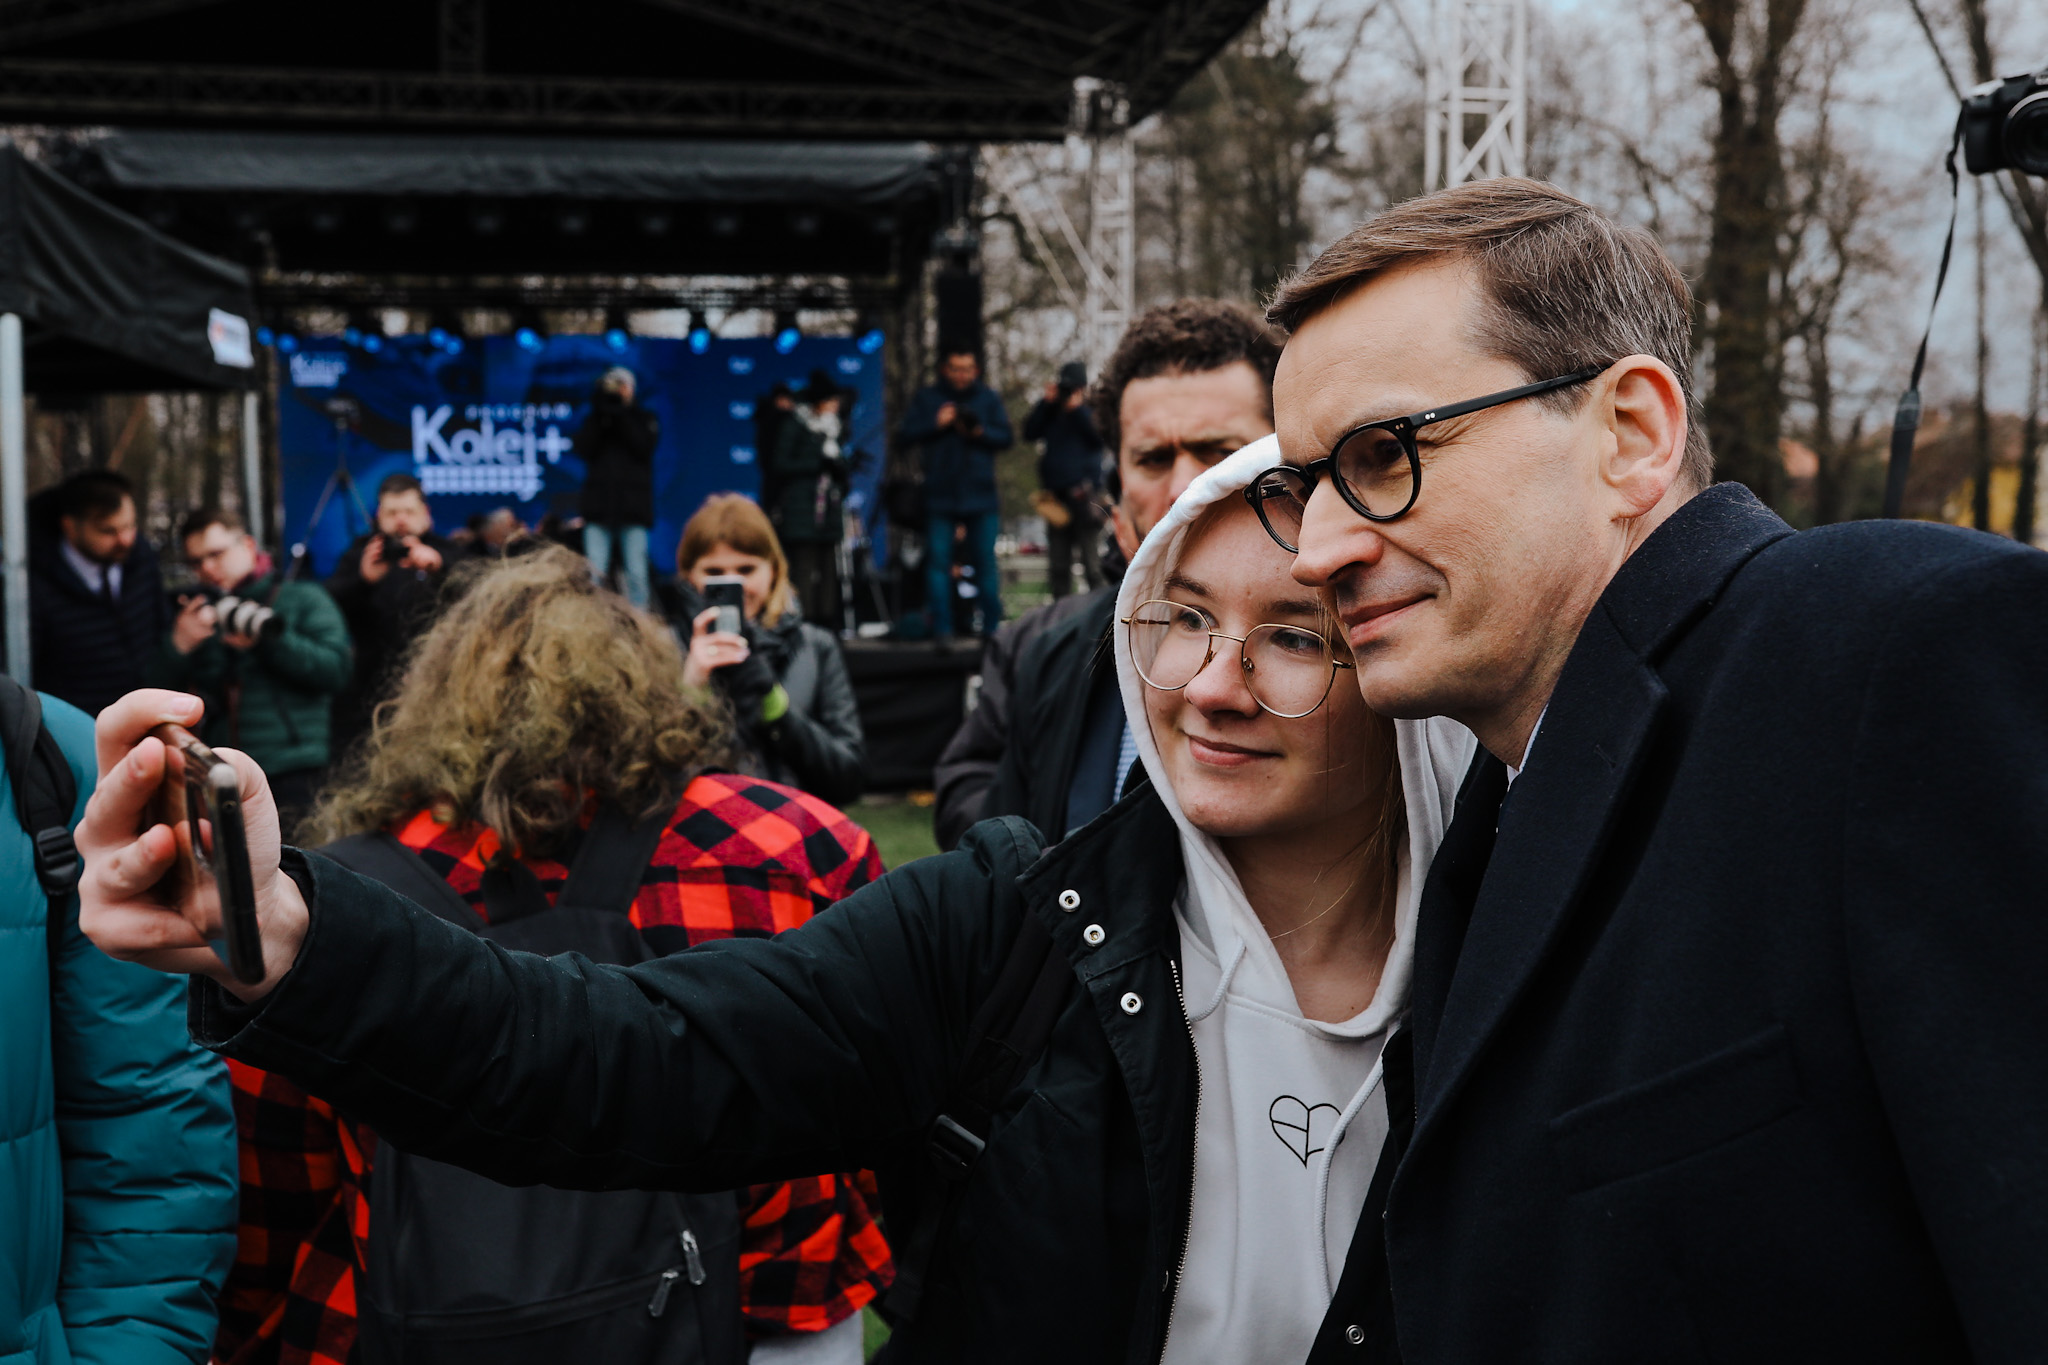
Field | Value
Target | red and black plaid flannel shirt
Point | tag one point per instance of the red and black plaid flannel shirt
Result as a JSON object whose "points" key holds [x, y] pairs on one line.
{"points": [[743, 858]]}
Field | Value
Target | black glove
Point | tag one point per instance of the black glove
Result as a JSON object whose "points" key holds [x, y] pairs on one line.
{"points": [[746, 684]]}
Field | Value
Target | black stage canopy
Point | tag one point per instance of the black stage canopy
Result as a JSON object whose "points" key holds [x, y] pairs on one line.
{"points": [[107, 302], [980, 70], [425, 204]]}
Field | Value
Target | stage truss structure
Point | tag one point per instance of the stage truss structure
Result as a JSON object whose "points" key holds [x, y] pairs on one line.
{"points": [[1104, 246], [1476, 91]]}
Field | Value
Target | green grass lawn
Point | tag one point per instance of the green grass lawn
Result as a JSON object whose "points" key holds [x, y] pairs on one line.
{"points": [[902, 828]]}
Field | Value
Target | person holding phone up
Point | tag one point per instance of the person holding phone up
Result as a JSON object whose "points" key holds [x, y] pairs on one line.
{"points": [[785, 679]]}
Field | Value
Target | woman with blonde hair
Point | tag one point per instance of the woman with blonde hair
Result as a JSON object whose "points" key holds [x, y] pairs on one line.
{"points": [[540, 717], [792, 701]]}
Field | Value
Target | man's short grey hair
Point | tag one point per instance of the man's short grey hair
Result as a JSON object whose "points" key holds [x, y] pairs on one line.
{"points": [[1566, 287]]}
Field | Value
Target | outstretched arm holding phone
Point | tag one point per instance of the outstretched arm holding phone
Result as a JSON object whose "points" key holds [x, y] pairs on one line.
{"points": [[124, 903]]}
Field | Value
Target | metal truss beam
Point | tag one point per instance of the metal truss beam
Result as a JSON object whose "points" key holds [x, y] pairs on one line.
{"points": [[1476, 92], [78, 91], [35, 21], [927, 44], [1179, 40], [462, 37], [310, 289]]}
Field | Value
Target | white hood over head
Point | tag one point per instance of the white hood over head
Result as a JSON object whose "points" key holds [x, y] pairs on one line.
{"points": [[1291, 1113], [1434, 756]]}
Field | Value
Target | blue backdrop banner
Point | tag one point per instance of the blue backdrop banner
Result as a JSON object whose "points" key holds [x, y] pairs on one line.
{"points": [[491, 424]]}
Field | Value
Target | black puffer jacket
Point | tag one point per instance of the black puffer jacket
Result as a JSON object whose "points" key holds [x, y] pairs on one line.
{"points": [[834, 1045], [616, 444], [817, 744]]}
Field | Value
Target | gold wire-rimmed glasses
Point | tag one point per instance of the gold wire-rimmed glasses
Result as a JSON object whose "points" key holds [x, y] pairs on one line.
{"points": [[1287, 669]]}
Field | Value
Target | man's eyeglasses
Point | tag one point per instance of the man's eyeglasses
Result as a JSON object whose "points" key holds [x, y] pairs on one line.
{"points": [[1376, 467], [1287, 669]]}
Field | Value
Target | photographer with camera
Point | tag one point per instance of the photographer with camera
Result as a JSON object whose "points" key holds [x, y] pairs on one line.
{"points": [[266, 653], [959, 425], [386, 584], [1069, 495]]}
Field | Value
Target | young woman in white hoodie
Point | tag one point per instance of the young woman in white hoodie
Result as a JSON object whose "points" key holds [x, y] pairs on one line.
{"points": [[1179, 1166]]}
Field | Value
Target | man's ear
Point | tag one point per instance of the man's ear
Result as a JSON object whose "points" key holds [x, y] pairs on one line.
{"points": [[1127, 537], [1643, 407]]}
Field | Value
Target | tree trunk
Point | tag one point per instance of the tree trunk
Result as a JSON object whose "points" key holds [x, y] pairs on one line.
{"points": [[1745, 239]]}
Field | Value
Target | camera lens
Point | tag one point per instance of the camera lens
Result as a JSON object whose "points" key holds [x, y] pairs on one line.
{"points": [[2026, 134]]}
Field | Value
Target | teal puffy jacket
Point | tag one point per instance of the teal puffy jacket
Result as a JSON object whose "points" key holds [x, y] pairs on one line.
{"points": [[117, 1142]]}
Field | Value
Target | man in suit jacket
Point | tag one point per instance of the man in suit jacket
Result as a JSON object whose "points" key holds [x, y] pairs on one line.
{"points": [[96, 591], [1728, 1023]]}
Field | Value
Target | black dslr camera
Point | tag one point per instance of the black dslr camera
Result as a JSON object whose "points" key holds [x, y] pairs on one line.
{"points": [[2005, 123]]}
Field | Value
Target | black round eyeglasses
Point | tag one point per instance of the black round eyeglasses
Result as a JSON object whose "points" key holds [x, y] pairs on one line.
{"points": [[1376, 467]]}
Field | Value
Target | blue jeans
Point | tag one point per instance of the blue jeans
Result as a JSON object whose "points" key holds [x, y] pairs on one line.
{"points": [[980, 553], [597, 543]]}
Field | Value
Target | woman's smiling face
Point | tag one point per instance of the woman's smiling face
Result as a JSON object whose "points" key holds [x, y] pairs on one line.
{"points": [[1235, 768]]}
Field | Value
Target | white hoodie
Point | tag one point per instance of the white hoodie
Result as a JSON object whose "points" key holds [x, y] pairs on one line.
{"points": [[1291, 1115]]}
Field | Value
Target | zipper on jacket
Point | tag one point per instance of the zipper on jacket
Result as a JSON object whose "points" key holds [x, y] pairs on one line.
{"points": [[1187, 1226], [691, 1258], [657, 1305]]}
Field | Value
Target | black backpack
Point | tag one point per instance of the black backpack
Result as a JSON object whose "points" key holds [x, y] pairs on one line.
{"points": [[465, 1271], [44, 793]]}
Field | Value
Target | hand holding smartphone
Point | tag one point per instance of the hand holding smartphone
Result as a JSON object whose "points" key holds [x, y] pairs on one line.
{"points": [[728, 593], [200, 799]]}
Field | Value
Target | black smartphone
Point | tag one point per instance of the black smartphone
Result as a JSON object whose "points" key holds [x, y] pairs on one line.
{"points": [[201, 800], [728, 593]]}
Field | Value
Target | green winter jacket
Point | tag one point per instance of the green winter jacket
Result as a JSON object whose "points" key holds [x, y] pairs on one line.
{"points": [[118, 1181], [288, 680]]}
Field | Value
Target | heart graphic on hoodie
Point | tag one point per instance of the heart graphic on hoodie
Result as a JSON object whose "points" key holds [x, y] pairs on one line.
{"points": [[1295, 1122]]}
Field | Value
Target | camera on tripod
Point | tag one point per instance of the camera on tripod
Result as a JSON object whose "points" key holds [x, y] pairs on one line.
{"points": [[2005, 124]]}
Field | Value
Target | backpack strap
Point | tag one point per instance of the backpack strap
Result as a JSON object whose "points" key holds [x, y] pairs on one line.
{"points": [[613, 857], [1008, 1032], [381, 858], [44, 794], [44, 789]]}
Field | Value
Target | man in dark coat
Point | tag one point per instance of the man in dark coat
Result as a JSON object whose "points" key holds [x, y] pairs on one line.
{"points": [[1069, 493], [616, 444], [96, 592], [808, 468], [959, 425], [388, 600], [1727, 1020], [1188, 383]]}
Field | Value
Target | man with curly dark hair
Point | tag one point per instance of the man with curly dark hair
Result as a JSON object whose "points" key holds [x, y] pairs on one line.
{"points": [[1189, 383]]}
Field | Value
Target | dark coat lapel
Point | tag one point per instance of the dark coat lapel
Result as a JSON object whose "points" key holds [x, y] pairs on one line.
{"points": [[1587, 754]]}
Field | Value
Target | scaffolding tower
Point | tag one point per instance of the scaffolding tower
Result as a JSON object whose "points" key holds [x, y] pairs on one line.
{"points": [[1476, 91]]}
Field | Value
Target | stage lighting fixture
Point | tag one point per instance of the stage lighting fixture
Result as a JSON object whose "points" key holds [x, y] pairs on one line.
{"points": [[725, 224], [351, 336], [264, 336], [437, 337], [528, 339], [372, 343], [787, 333], [286, 343], [454, 346], [617, 339], [870, 341]]}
